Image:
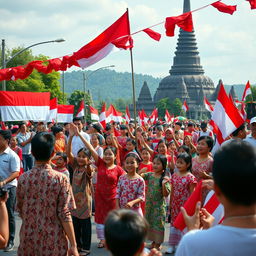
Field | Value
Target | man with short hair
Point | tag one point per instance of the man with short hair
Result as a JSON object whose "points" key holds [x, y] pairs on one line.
{"points": [[77, 142], [234, 175], [24, 139], [9, 171], [252, 137]]}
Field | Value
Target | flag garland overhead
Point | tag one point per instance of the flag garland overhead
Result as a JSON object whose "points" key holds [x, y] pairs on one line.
{"points": [[116, 36]]}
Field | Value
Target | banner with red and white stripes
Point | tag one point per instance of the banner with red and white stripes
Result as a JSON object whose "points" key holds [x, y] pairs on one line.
{"points": [[65, 113]]}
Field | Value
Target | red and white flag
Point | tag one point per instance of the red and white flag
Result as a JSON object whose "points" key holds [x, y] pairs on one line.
{"points": [[208, 105], [3, 127], [114, 115], [212, 205], [127, 115], [185, 106], [225, 116], [247, 91], [20, 106], [65, 113], [94, 113], [80, 111], [52, 117], [168, 118], [154, 116], [143, 118], [117, 36], [103, 116]]}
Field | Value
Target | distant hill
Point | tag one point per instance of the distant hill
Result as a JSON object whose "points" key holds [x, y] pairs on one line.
{"points": [[108, 84]]}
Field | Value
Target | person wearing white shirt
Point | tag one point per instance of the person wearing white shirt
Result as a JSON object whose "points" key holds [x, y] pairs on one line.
{"points": [[252, 137], [9, 171], [234, 178], [76, 141]]}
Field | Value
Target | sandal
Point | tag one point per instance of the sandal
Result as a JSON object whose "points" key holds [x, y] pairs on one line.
{"points": [[84, 253], [100, 245]]}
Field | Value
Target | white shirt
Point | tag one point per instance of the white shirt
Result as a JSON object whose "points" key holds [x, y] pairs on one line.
{"points": [[9, 163], [251, 140], [218, 241], [77, 143]]}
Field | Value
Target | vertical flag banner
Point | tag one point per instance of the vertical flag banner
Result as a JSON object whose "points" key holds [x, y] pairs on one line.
{"points": [[80, 111], [208, 105], [20, 106], [52, 117], [94, 113], [185, 106], [103, 116]]}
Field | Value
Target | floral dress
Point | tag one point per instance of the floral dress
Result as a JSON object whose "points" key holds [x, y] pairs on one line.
{"points": [[129, 190], [44, 201], [155, 208], [180, 192]]}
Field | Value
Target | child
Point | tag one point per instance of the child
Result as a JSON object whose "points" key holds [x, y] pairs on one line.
{"points": [[108, 174], [61, 161], [158, 189], [182, 185], [82, 190], [125, 233], [131, 186]]}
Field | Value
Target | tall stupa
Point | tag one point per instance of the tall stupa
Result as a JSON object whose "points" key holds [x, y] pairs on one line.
{"points": [[187, 80]]}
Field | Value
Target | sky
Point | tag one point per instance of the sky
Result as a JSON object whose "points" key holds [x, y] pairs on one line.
{"points": [[227, 43]]}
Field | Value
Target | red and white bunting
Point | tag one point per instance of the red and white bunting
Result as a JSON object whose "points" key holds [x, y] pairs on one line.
{"points": [[65, 113], [143, 118], [168, 118], [153, 118], [20, 106]]}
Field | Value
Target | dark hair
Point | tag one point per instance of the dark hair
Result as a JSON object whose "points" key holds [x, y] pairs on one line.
{"points": [[208, 140], [185, 148], [123, 127], [108, 127], [178, 123], [86, 151], [6, 134], [187, 158], [234, 172], [113, 149], [62, 155], [22, 124], [163, 160], [42, 146], [56, 129], [159, 128], [203, 125], [134, 155], [97, 127], [77, 119], [125, 232], [132, 141], [240, 128], [191, 124], [160, 142]]}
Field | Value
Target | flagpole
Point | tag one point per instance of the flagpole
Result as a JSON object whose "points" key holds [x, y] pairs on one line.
{"points": [[133, 92]]}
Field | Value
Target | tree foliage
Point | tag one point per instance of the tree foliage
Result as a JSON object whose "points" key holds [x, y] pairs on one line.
{"points": [[173, 107], [36, 82]]}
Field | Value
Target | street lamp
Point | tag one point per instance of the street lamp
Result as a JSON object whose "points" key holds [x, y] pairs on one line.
{"points": [[85, 78], [5, 62]]}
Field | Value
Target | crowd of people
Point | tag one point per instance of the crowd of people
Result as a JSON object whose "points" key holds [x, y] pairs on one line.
{"points": [[59, 176]]}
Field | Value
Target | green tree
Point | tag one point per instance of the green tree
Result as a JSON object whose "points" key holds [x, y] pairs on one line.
{"points": [[76, 97], [36, 82], [162, 105], [175, 107]]}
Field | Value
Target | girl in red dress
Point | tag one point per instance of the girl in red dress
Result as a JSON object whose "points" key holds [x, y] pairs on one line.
{"points": [[182, 185], [108, 174]]}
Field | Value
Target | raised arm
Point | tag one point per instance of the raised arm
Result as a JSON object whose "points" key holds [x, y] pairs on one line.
{"points": [[69, 148], [86, 143], [145, 145]]}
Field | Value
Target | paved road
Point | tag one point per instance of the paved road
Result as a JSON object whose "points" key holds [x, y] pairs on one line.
{"points": [[94, 250]]}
